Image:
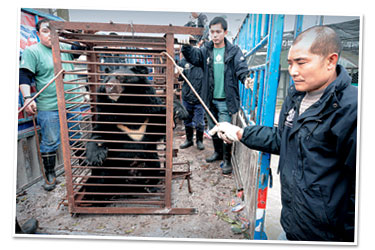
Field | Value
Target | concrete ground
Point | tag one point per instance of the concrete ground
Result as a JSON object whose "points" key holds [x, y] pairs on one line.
{"points": [[273, 207]]}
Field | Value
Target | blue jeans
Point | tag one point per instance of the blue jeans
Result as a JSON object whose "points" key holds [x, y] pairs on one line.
{"points": [[196, 116], [220, 111], [49, 123]]}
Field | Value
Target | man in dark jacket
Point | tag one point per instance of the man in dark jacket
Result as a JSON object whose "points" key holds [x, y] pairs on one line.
{"points": [[223, 65], [316, 139], [199, 20], [195, 76], [192, 105]]}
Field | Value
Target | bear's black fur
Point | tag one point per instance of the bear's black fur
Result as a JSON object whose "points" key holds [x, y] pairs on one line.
{"points": [[98, 153]]}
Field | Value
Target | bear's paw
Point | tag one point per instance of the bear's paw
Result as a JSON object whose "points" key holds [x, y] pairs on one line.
{"points": [[95, 154]]}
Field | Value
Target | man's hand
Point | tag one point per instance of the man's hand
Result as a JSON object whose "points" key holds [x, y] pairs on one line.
{"points": [[249, 83], [31, 108], [183, 39], [226, 132], [178, 70]]}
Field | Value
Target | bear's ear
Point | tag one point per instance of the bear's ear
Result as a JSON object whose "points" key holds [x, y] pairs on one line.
{"points": [[139, 69], [107, 70]]}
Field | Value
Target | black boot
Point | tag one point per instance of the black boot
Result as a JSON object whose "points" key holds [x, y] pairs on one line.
{"points": [[199, 139], [49, 161], [218, 146], [189, 138], [227, 167]]}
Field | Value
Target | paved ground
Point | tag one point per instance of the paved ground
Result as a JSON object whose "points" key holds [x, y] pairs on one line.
{"points": [[273, 209]]}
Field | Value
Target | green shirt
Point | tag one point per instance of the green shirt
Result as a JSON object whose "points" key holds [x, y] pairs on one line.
{"points": [[38, 59], [219, 92]]}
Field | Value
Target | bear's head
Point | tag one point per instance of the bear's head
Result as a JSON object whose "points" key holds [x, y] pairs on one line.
{"points": [[124, 74], [135, 76]]}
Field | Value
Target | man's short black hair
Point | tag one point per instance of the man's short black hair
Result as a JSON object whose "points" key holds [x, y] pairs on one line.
{"points": [[326, 40], [45, 20], [220, 20]]}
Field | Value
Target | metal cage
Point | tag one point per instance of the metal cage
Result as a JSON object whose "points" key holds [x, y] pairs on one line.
{"points": [[129, 185]]}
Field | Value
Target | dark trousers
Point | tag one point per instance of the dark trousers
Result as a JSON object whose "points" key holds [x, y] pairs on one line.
{"points": [[196, 116]]}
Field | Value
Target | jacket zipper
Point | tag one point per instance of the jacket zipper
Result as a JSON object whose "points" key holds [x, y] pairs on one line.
{"points": [[318, 121]]}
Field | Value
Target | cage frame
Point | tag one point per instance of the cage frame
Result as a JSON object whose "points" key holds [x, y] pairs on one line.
{"points": [[88, 31]]}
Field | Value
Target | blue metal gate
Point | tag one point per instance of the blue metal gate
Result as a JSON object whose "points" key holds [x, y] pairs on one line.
{"points": [[262, 38], [258, 33]]}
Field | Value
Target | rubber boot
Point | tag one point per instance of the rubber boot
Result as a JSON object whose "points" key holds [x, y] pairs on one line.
{"points": [[199, 139], [49, 161], [218, 147], [189, 138], [227, 166]]}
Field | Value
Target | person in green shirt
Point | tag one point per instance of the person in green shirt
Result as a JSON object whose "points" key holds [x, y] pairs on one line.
{"points": [[224, 66], [37, 65]]}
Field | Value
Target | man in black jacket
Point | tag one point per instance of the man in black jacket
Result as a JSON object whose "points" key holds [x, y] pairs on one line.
{"points": [[199, 20], [192, 105], [316, 139], [223, 66], [190, 101]]}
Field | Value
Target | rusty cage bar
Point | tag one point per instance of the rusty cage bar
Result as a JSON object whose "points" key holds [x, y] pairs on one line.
{"points": [[123, 193]]}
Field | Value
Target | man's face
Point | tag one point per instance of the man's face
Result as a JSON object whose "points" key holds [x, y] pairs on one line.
{"points": [[45, 35], [310, 71], [218, 34]]}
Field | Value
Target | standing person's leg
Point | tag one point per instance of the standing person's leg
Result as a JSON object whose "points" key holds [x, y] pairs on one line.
{"points": [[199, 127], [217, 142], [189, 130], [50, 131], [224, 116]]}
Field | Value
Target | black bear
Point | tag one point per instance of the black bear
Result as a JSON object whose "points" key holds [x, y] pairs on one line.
{"points": [[131, 132]]}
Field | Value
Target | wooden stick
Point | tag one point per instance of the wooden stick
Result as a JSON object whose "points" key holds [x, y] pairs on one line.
{"points": [[37, 94], [192, 88]]}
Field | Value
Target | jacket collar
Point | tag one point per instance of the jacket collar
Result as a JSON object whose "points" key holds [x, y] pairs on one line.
{"points": [[228, 46], [341, 82], [329, 100]]}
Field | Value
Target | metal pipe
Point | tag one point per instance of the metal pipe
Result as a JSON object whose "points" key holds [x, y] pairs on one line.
{"points": [[124, 123], [111, 64], [97, 93], [103, 51], [113, 74], [118, 104], [118, 141], [78, 174], [119, 84], [132, 28]]}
